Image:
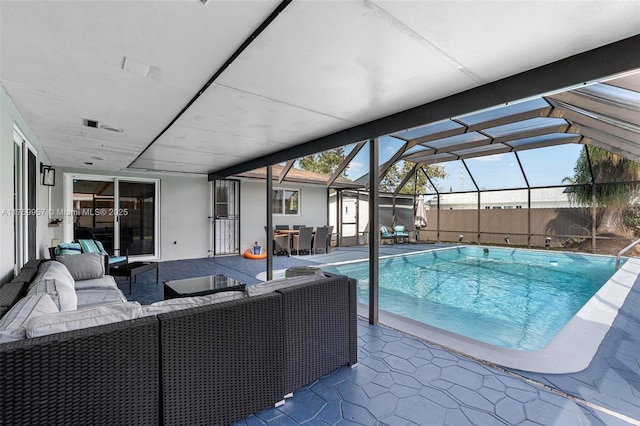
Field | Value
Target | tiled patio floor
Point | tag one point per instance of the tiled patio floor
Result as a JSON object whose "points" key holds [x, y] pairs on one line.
{"points": [[400, 380]]}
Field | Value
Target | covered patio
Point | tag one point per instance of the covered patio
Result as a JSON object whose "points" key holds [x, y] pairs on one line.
{"points": [[175, 100]]}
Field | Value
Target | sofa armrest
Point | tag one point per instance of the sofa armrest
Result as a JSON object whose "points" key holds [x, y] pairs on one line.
{"points": [[103, 375], [320, 331]]}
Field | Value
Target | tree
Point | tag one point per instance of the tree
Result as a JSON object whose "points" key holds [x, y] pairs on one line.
{"points": [[325, 162], [613, 197], [398, 171]]}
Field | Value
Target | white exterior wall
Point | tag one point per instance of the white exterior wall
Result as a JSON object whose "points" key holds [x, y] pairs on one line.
{"points": [[184, 207], [8, 117], [253, 211]]}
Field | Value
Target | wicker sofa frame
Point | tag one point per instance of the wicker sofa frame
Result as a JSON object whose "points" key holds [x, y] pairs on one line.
{"points": [[206, 365]]}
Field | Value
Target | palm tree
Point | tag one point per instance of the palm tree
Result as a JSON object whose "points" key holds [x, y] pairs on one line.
{"points": [[614, 197]]}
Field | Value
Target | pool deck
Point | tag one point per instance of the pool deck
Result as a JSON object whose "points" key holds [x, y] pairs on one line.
{"points": [[404, 380]]}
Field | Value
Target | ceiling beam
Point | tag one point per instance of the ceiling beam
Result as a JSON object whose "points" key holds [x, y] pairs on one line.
{"points": [[285, 170], [589, 66]]}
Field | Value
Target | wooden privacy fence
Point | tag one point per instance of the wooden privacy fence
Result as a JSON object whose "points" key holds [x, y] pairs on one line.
{"points": [[523, 227]]}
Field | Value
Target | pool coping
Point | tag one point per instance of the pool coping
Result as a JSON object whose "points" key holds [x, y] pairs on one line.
{"points": [[570, 351]]}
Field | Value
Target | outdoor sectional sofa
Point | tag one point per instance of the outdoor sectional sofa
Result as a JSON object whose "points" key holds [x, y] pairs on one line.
{"points": [[209, 360]]}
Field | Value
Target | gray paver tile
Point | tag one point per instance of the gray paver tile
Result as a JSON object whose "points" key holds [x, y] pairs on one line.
{"points": [[455, 417], [523, 395], [479, 417], [352, 393], [383, 405], [419, 409], [439, 397], [357, 414], [462, 377], [510, 410], [401, 364], [403, 391], [470, 398]]}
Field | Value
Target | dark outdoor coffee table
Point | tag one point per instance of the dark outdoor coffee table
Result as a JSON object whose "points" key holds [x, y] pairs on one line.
{"points": [[200, 286], [132, 269]]}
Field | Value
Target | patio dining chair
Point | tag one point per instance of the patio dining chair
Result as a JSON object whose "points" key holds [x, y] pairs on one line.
{"points": [[302, 241], [280, 243], [320, 239], [329, 237]]}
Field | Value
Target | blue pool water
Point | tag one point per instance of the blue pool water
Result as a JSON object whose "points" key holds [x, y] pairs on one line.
{"points": [[518, 299]]}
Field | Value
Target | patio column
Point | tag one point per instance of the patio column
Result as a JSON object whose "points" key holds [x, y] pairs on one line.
{"points": [[374, 235], [269, 223]]}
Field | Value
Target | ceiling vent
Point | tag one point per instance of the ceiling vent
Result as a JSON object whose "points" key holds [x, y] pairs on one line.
{"points": [[91, 123]]}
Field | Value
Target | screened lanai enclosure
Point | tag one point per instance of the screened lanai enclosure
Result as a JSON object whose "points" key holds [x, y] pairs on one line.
{"points": [[558, 171]]}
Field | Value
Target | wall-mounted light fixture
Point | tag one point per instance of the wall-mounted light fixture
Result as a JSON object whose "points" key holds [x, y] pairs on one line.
{"points": [[48, 175]]}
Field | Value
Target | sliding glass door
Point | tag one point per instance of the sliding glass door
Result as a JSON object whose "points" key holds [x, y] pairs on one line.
{"points": [[137, 208], [25, 173], [119, 212]]}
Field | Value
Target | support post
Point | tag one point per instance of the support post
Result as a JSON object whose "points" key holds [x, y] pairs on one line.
{"points": [[374, 235], [269, 223]]}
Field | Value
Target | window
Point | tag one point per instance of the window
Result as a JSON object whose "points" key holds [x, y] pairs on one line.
{"points": [[286, 201]]}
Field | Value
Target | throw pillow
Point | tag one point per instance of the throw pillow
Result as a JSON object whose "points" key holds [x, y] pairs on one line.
{"points": [[271, 286], [84, 266], [64, 249]]}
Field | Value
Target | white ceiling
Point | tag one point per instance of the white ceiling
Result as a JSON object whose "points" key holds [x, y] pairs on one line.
{"points": [[318, 68]]}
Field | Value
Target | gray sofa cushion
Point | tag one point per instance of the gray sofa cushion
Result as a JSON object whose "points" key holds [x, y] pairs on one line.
{"points": [[271, 286], [63, 295], [12, 324], [190, 302], [53, 270], [84, 266], [99, 296], [106, 281], [82, 318]]}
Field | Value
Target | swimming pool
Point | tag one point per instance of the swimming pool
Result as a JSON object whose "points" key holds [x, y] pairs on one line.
{"points": [[511, 298]]}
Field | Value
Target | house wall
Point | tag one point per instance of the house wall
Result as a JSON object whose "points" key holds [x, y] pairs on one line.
{"points": [[253, 216], [9, 116], [184, 231]]}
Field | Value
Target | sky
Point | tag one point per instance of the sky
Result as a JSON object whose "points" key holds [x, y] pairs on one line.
{"points": [[543, 166]]}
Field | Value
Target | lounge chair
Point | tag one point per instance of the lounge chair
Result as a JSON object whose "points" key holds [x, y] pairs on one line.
{"points": [[401, 233], [386, 235]]}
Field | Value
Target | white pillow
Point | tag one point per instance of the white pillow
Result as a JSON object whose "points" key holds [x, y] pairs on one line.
{"points": [[82, 318], [271, 286], [64, 296], [12, 323], [190, 302]]}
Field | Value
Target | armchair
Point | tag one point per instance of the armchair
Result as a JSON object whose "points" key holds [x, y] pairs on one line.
{"points": [[95, 246], [401, 233], [386, 235]]}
